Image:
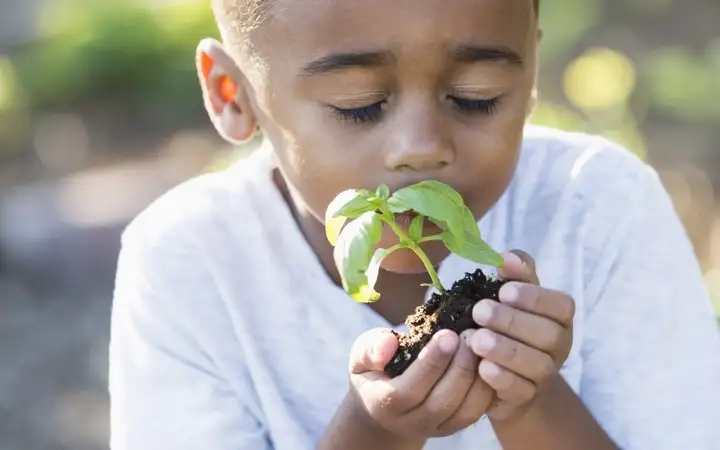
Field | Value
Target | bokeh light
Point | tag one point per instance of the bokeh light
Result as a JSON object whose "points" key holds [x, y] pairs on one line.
{"points": [[599, 79]]}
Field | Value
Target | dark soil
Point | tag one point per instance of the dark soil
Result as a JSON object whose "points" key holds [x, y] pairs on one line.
{"points": [[451, 310]]}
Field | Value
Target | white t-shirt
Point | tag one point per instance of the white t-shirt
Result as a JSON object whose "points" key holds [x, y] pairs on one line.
{"points": [[228, 335]]}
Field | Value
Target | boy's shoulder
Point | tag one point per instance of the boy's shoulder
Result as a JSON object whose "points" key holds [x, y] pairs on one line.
{"points": [[555, 162], [582, 150], [202, 209]]}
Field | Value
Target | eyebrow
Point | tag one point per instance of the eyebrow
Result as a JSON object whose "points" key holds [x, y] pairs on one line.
{"points": [[466, 54], [340, 61], [473, 54]]}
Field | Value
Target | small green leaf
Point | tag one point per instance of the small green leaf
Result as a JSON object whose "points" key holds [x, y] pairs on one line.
{"points": [[348, 204], [446, 190], [383, 191], [353, 253], [357, 206], [416, 228], [473, 248], [430, 201], [374, 266], [333, 226], [470, 226]]}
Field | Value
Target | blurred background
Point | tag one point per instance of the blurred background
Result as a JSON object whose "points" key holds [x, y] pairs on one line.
{"points": [[100, 113]]}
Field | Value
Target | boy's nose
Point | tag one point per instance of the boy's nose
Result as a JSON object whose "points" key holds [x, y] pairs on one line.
{"points": [[421, 145]]}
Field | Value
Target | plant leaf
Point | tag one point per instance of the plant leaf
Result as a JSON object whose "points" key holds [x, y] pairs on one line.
{"points": [[416, 228], [348, 204], [383, 191], [473, 248], [446, 190], [374, 266], [470, 226], [357, 206], [353, 253], [433, 201]]}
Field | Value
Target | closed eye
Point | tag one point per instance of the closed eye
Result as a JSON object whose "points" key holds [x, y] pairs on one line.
{"points": [[373, 113], [361, 115], [475, 107]]}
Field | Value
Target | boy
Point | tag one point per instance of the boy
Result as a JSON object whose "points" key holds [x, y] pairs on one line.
{"points": [[230, 330]]}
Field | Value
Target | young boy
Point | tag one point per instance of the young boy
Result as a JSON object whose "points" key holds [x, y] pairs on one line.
{"points": [[230, 330]]}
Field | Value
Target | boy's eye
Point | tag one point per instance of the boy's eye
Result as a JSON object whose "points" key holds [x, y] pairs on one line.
{"points": [[372, 113], [476, 107], [362, 115]]}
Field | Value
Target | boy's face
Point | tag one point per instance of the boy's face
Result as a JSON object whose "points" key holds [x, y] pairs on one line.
{"points": [[354, 93]]}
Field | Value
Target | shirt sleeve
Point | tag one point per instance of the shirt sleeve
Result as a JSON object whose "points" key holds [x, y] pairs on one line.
{"points": [[166, 391], [651, 352]]}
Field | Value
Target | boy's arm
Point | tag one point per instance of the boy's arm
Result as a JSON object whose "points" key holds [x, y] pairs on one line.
{"points": [[651, 348], [556, 420], [351, 429], [166, 393]]}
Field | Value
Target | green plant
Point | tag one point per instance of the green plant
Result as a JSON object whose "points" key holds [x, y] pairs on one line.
{"points": [[355, 255]]}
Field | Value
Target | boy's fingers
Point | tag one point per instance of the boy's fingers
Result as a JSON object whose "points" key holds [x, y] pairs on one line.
{"points": [[450, 391], [524, 360], [476, 404], [532, 329], [534, 299], [519, 266], [509, 386], [372, 351], [412, 387]]}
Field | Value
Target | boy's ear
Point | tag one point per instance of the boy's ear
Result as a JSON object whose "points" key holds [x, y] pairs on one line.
{"points": [[224, 92]]}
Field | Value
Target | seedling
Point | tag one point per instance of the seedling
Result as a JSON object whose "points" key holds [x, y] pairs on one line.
{"points": [[354, 223], [355, 255]]}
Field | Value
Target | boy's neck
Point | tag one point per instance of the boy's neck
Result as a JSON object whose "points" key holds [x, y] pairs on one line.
{"points": [[401, 294]]}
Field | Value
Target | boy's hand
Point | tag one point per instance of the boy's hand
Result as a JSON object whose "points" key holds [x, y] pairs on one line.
{"points": [[525, 339], [438, 395]]}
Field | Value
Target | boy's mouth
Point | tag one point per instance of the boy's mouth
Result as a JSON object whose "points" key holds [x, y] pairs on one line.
{"points": [[405, 219]]}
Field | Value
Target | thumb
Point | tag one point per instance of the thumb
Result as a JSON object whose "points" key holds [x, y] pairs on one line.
{"points": [[372, 351]]}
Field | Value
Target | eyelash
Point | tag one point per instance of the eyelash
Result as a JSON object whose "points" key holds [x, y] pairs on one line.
{"points": [[371, 113], [363, 115]]}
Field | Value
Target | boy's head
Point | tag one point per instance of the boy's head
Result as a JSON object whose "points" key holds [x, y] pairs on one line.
{"points": [[354, 93]]}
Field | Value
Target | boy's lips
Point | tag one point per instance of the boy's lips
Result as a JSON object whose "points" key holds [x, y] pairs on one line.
{"points": [[405, 219]]}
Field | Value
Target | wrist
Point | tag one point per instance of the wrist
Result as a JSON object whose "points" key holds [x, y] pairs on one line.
{"points": [[352, 427], [521, 413]]}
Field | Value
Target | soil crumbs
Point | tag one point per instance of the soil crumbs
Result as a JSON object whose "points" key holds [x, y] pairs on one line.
{"points": [[451, 310]]}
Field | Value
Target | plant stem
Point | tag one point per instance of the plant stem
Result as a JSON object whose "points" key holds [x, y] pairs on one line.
{"points": [[436, 237], [428, 266], [412, 245]]}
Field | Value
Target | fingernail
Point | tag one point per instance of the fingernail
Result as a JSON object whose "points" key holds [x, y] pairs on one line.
{"points": [[509, 293], [447, 344], [511, 259], [486, 341], [490, 369], [466, 337], [482, 312]]}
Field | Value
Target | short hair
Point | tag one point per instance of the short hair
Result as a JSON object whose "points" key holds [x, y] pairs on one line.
{"points": [[237, 19]]}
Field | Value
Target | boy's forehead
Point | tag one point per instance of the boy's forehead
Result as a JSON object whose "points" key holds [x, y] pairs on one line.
{"points": [[306, 29]]}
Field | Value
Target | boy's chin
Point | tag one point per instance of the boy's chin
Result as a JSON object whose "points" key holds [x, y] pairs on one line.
{"points": [[406, 262]]}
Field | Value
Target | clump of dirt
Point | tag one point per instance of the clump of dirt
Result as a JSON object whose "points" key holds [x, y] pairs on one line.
{"points": [[451, 310]]}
